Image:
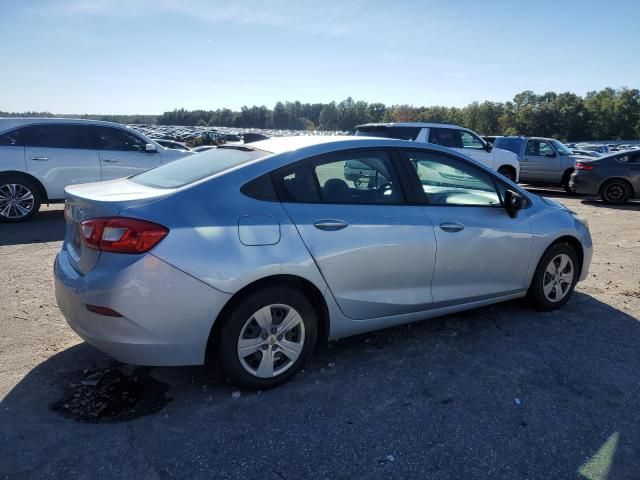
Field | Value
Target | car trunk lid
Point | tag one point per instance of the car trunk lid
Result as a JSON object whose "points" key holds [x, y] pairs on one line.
{"points": [[93, 200]]}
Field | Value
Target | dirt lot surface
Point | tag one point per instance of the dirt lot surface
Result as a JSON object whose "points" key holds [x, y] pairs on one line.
{"points": [[499, 392]]}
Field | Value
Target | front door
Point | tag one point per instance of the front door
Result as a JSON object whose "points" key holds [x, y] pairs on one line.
{"points": [[481, 251], [59, 155], [375, 252], [122, 153], [540, 162]]}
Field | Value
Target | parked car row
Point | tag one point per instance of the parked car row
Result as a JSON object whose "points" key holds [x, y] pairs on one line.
{"points": [[40, 157]]}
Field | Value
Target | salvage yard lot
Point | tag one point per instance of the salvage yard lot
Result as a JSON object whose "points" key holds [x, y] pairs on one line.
{"points": [[499, 392]]}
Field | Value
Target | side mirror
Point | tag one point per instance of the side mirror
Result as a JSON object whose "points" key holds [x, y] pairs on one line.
{"points": [[488, 146], [150, 148], [513, 202]]}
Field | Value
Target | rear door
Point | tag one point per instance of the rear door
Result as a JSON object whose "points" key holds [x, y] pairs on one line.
{"points": [[540, 163], [60, 154], [123, 153], [481, 251], [375, 251]]}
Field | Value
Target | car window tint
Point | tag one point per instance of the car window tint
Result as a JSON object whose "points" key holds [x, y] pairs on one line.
{"points": [[344, 177], [447, 181], [512, 144], [545, 149], [447, 137], [630, 158], [471, 141], [533, 148], [299, 185], [118, 139], [14, 138], [58, 136]]}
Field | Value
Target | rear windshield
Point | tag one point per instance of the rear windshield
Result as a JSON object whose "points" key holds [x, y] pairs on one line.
{"points": [[512, 144], [192, 168], [400, 133]]}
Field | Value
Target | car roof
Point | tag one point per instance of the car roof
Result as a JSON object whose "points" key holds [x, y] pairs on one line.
{"points": [[8, 123], [410, 124]]}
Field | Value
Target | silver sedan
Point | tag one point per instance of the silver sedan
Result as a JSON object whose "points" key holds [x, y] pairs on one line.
{"points": [[250, 255]]}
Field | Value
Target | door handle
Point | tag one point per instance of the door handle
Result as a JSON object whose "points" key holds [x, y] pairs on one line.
{"points": [[40, 159], [451, 227], [109, 160], [330, 225]]}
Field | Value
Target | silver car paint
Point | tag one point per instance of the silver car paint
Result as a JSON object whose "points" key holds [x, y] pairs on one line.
{"points": [[205, 247]]}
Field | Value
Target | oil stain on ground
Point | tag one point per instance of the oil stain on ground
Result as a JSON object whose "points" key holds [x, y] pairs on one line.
{"points": [[111, 395]]}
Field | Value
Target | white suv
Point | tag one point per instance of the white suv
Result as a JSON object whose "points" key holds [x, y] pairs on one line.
{"points": [[41, 156], [457, 138]]}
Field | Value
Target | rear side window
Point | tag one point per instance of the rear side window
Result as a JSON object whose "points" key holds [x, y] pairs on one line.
{"points": [[630, 158], [58, 136], [447, 137], [512, 144], [384, 131], [192, 168], [14, 138], [118, 139]]}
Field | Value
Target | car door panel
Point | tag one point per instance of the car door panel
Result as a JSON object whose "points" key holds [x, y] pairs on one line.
{"points": [[52, 156], [480, 250], [538, 167], [375, 252], [122, 153], [379, 264], [489, 256]]}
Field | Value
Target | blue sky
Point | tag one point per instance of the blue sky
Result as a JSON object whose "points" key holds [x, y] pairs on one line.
{"points": [[149, 56]]}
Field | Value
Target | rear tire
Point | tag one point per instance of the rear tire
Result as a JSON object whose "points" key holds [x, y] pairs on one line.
{"points": [[615, 192], [555, 278], [255, 347], [20, 198]]}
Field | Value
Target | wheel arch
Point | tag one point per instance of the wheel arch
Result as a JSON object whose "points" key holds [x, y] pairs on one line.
{"points": [[574, 243], [311, 291], [566, 175], [16, 173], [620, 179]]}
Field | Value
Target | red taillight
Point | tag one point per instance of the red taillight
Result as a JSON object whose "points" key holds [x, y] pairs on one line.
{"points": [[583, 166], [122, 235], [106, 311]]}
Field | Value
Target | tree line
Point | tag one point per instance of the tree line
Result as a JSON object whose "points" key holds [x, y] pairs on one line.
{"points": [[607, 114]]}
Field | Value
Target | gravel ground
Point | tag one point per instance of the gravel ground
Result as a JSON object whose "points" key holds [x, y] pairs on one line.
{"points": [[499, 392]]}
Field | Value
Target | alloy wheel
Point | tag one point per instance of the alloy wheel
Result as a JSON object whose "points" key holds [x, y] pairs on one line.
{"points": [[271, 341], [16, 201], [558, 278], [615, 192]]}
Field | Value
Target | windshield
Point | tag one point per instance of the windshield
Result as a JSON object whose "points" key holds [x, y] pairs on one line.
{"points": [[560, 147], [192, 168], [384, 131]]}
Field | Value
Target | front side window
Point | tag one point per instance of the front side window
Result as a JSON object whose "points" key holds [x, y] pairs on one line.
{"points": [[447, 181], [447, 137], [469, 140], [538, 148], [58, 136], [118, 139], [345, 177], [14, 138]]}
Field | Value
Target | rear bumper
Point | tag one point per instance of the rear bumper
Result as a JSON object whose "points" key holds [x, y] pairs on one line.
{"points": [[167, 315], [581, 184]]}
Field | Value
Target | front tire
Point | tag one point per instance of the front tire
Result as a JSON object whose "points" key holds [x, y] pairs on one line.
{"points": [[508, 172], [615, 192], [266, 338], [555, 278], [19, 198]]}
